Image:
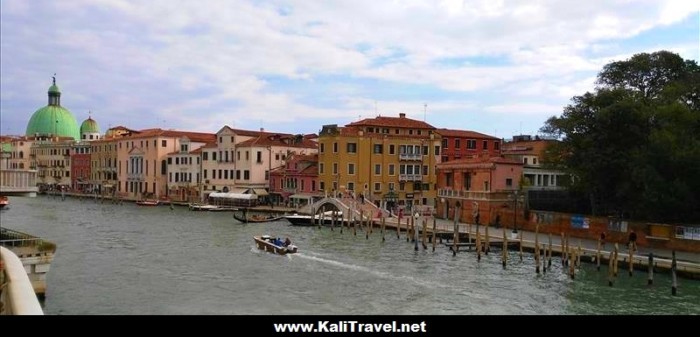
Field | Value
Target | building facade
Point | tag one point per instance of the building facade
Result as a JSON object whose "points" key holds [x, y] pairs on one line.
{"points": [[530, 151], [464, 144], [296, 182], [389, 161]]}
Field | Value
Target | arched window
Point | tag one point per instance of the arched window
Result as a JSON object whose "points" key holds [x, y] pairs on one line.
{"points": [[21, 165], [21, 154], [83, 136]]}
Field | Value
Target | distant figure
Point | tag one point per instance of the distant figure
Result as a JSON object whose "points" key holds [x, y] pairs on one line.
{"points": [[602, 240], [498, 220], [362, 198], [287, 242], [632, 243]]}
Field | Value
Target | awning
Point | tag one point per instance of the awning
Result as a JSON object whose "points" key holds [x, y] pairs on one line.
{"points": [[260, 191], [301, 196], [233, 196]]}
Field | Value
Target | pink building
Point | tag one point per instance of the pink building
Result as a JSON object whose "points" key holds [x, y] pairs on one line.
{"points": [[480, 184], [297, 181]]}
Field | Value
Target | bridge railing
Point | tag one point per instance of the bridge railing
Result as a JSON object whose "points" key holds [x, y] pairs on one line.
{"points": [[17, 295]]}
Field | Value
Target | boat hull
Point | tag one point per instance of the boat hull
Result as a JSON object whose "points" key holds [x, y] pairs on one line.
{"points": [[272, 248]]}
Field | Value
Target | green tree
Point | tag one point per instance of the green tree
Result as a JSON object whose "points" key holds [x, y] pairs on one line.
{"points": [[633, 145]]}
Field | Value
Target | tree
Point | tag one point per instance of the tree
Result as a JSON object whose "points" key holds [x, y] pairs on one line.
{"points": [[633, 145]]}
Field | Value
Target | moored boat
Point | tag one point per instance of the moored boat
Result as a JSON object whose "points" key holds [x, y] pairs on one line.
{"points": [[255, 218], [272, 245], [148, 202], [4, 201]]}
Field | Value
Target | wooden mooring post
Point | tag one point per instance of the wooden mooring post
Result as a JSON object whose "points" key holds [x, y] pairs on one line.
{"points": [[478, 244], [615, 261], [487, 247], [521, 245], [434, 232], [504, 257], [572, 266], [650, 280], [537, 248], [425, 234], [674, 279], [611, 276], [562, 243], [631, 259], [549, 260], [415, 233], [597, 256], [383, 227], [455, 235]]}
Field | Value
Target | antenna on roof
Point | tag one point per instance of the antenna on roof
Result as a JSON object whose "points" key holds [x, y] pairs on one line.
{"points": [[425, 109]]}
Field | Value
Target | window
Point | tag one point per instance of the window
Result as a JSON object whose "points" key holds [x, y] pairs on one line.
{"points": [[177, 160], [163, 143], [277, 156], [410, 131], [352, 147], [238, 174], [221, 139], [351, 168], [471, 144], [335, 168], [335, 147], [391, 186], [448, 179], [392, 149], [163, 167], [378, 149], [467, 181], [259, 157], [534, 161], [509, 182], [457, 144], [267, 175], [437, 150], [377, 169], [205, 155], [444, 143], [485, 145], [402, 186], [496, 145], [425, 170], [246, 175], [320, 168], [247, 155], [213, 156], [225, 174], [313, 185], [391, 169], [377, 186], [322, 148], [525, 160], [351, 186], [426, 187], [322, 185], [205, 174]]}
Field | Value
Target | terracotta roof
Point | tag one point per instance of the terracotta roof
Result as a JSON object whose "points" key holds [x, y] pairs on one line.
{"points": [[462, 134], [200, 137], [393, 122], [277, 140], [532, 147], [210, 146], [310, 170], [249, 133]]}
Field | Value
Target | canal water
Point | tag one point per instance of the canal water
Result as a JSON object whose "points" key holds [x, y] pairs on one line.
{"points": [[126, 259]]}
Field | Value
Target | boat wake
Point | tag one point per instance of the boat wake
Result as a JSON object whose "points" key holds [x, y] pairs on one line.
{"points": [[368, 271]]}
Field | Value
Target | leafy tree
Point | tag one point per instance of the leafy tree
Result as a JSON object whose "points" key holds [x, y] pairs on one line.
{"points": [[633, 145]]}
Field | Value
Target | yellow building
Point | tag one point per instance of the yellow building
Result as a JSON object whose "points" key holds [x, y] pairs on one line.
{"points": [[389, 161]]}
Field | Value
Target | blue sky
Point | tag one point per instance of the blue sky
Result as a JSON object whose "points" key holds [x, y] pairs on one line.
{"points": [[496, 67]]}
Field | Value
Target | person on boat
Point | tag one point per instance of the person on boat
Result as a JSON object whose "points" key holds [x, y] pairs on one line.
{"points": [[287, 242]]}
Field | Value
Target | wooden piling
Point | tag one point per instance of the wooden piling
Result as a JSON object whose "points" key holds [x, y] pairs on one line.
{"points": [[398, 228], [434, 232], [537, 257], [631, 259], [455, 235], [383, 228], [415, 234], [597, 256], [572, 266], [563, 248], [487, 247], [425, 234], [615, 261], [504, 257], [521, 245], [354, 225], [674, 279], [409, 227], [650, 280], [478, 245], [611, 276], [549, 262]]}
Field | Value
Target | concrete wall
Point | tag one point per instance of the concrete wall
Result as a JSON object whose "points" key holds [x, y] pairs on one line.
{"points": [[17, 297]]}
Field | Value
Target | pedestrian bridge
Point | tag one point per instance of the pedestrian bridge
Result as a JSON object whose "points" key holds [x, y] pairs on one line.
{"points": [[350, 208], [18, 182], [16, 293]]}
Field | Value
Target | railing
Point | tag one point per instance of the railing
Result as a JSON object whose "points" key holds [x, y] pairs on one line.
{"points": [[17, 297], [482, 195], [410, 156], [410, 177]]}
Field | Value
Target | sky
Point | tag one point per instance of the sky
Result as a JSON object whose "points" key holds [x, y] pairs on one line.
{"points": [[491, 66]]}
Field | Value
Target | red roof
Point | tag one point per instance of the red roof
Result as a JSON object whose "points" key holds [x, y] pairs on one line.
{"points": [[393, 122], [478, 162], [278, 140], [462, 134], [199, 137]]}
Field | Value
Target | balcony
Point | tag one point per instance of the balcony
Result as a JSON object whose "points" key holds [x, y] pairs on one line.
{"points": [[410, 177], [410, 156]]}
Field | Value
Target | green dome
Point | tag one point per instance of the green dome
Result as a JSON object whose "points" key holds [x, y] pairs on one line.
{"points": [[55, 120], [54, 89], [89, 126]]}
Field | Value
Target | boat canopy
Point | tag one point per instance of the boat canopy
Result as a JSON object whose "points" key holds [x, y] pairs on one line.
{"points": [[260, 192], [240, 196]]}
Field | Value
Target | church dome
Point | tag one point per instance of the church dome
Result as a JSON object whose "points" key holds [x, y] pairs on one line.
{"points": [[53, 119], [89, 126]]}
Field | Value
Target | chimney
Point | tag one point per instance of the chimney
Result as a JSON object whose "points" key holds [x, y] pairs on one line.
{"points": [[262, 129], [402, 115]]}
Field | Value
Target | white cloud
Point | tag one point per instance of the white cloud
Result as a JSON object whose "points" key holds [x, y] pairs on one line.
{"points": [[184, 60]]}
